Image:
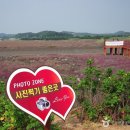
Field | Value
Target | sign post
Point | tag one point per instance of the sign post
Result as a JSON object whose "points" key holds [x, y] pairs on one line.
{"points": [[40, 93], [48, 125]]}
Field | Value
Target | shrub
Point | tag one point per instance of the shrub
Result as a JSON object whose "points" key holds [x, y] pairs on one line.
{"points": [[12, 118], [100, 93]]}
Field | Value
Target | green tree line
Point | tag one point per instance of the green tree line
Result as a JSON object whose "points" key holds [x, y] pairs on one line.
{"points": [[45, 35], [52, 35]]}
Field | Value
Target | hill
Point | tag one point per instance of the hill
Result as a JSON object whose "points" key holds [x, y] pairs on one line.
{"points": [[44, 35], [53, 35], [122, 33], [6, 36]]}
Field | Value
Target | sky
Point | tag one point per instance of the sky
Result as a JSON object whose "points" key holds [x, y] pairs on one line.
{"points": [[93, 16]]}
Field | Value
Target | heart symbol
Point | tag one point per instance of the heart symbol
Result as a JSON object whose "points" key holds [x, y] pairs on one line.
{"points": [[40, 93]]}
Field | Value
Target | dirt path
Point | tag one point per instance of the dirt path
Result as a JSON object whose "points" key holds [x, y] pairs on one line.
{"points": [[73, 123], [42, 52]]}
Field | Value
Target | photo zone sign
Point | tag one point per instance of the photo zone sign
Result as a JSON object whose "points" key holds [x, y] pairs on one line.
{"points": [[40, 93]]}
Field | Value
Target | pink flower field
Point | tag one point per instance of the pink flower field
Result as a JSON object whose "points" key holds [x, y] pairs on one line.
{"points": [[66, 65]]}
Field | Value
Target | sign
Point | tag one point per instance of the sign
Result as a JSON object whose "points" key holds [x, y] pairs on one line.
{"points": [[40, 93], [114, 43]]}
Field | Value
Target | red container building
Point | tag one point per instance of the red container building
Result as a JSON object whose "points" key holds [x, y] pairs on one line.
{"points": [[117, 48]]}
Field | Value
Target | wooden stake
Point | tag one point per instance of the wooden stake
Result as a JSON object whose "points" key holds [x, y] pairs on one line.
{"points": [[48, 125]]}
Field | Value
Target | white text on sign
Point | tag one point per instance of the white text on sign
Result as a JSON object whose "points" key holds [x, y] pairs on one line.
{"points": [[28, 83]]}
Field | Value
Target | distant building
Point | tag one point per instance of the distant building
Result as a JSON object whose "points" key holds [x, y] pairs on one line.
{"points": [[117, 48]]}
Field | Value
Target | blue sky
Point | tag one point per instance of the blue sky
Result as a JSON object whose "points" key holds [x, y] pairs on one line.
{"points": [[94, 16]]}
